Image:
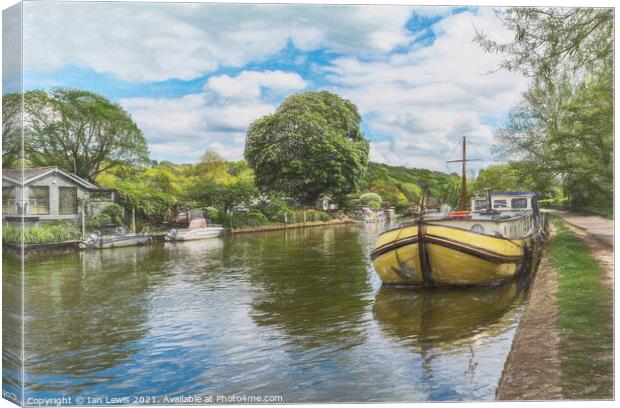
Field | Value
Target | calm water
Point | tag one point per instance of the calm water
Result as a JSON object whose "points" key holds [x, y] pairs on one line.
{"points": [[298, 313]]}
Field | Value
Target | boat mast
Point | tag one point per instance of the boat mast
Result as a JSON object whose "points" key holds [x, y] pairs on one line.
{"points": [[464, 176], [463, 161]]}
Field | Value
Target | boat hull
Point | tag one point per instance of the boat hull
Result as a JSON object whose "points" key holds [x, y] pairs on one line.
{"points": [[193, 235], [117, 242], [432, 255]]}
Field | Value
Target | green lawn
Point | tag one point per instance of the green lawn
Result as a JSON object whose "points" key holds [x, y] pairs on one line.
{"points": [[585, 319]]}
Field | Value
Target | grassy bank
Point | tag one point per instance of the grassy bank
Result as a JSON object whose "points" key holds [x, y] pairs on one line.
{"points": [[584, 320]]}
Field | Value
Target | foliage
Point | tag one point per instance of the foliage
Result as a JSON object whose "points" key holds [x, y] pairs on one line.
{"points": [[562, 131], [11, 129], [312, 145], [44, 234], [401, 186], [78, 131], [112, 213], [585, 319], [151, 192], [222, 185], [371, 200], [515, 176], [312, 215], [548, 38]]}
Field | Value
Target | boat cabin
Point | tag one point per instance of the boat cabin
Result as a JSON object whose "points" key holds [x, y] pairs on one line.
{"points": [[510, 201]]}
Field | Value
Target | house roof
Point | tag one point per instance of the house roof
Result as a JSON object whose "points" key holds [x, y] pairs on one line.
{"points": [[34, 173]]}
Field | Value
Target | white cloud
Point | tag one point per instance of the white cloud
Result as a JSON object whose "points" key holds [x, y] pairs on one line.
{"points": [[145, 42], [182, 128], [249, 84], [419, 104]]}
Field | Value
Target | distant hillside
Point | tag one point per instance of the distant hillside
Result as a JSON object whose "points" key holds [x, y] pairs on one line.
{"points": [[400, 185]]}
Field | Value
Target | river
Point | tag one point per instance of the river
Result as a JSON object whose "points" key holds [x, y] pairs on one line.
{"points": [[298, 314]]}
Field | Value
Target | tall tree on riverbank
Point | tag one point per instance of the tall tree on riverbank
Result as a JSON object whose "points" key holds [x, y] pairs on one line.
{"points": [[311, 145], [563, 126], [79, 131]]}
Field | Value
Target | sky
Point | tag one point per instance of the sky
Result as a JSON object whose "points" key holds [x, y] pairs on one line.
{"points": [[194, 76]]}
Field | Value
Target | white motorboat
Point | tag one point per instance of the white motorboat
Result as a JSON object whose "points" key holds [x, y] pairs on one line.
{"points": [[198, 229]]}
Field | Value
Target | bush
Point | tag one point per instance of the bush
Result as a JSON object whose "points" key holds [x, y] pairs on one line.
{"points": [[114, 212], [45, 234], [312, 215], [561, 203], [252, 219], [214, 215], [373, 200]]}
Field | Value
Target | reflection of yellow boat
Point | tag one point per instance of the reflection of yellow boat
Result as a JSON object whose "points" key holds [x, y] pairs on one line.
{"points": [[491, 245], [442, 318]]}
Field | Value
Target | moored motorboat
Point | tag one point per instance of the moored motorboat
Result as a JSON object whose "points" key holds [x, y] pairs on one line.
{"points": [[120, 239], [198, 229]]}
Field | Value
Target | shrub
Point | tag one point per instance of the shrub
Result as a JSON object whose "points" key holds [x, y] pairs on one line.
{"points": [[252, 219], [114, 212], [371, 200], [312, 215]]}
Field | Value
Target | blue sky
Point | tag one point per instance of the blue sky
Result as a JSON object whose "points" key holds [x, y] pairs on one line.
{"points": [[194, 76]]}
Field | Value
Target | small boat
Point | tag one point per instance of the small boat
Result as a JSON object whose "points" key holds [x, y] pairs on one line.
{"points": [[120, 239], [500, 239], [198, 229]]}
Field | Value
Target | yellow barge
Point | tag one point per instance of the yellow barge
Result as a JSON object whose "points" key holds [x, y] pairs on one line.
{"points": [[500, 239]]}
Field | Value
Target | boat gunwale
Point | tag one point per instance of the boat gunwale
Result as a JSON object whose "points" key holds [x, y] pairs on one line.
{"points": [[529, 235]]}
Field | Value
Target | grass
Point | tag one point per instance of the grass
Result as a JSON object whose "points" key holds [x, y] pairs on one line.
{"points": [[584, 319]]}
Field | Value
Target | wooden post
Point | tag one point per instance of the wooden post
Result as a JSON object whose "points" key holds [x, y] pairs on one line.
{"points": [[133, 220], [304, 215], [83, 224]]}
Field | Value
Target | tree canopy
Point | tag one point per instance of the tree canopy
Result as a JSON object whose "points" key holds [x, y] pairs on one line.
{"points": [[562, 129], [546, 39], [79, 131], [11, 129], [312, 145]]}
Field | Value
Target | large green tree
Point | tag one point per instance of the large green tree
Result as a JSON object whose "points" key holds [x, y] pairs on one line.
{"points": [[563, 126], [79, 131], [311, 145]]}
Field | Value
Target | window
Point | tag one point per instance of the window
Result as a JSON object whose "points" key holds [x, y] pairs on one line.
{"points": [[480, 204], [8, 201], [67, 200], [518, 203], [500, 204], [39, 200]]}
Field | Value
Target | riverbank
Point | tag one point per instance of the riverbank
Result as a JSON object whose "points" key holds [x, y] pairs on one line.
{"points": [[279, 227], [563, 348], [159, 236]]}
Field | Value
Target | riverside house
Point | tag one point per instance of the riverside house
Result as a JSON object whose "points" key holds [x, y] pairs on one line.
{"points": [[49, 194]]}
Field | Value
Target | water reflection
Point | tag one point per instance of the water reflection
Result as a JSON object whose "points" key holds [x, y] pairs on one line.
{"points": [[443, 319], [82, 322], [310, 284], [11, 325]]}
